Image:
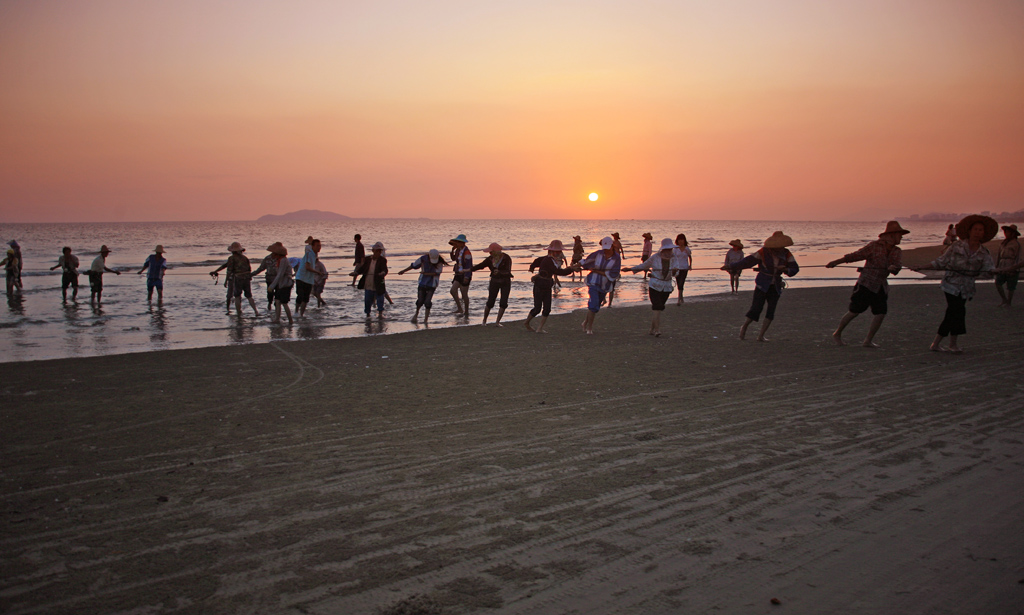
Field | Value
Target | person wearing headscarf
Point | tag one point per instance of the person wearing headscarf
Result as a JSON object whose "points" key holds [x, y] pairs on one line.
{"points": [[965, 260], [1009, 256], [10, 265], [500, 265], [21, 262], [659, 287], [373, 270], [283, 281], [647, 250], [733, 256], [238, 280], [604, 266], [547, 267], [881, 257], [773, 261]]}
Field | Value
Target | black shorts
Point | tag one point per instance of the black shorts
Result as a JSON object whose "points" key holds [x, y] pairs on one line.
{"points": [[284, 295], [862, 299], [302, 292], [95, 281], [240, 286], [658, 298]]}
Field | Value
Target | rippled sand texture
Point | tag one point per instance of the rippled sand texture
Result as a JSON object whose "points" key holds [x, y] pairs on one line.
{"points": [[478, 470]]}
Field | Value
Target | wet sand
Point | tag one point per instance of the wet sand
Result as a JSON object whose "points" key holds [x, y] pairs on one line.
{"points": [[478, 470]]}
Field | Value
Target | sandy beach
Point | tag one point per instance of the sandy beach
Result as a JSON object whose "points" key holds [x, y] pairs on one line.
{"points": [[489, 470]]}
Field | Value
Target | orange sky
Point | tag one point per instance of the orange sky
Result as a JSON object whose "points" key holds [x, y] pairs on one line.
{"points": [[200, 110]]}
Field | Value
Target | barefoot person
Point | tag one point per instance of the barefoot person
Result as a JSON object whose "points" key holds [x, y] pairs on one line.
{"points": [[155, 264], [305, 276], [648, 249], [373, 270], [430, 265], [773, 260], [733, 256], [462, 266], [21, 262], [881, 258], [10, 265], [283, 281], [1009, 257], [321, 282], [239, 279], [604, 266], [360, 255], [99, 265], [659, 287], [682, 264], [964, 260], [577, 253], [68, 264], [268, 265], [544, 280], [621, 253], [500, 265]]}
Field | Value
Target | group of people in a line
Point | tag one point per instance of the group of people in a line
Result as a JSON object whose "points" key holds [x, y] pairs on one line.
{"points": [[962, 260]]}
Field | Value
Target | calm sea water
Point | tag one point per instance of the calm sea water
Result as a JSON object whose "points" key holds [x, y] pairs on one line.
{"points": [[38, 325]]}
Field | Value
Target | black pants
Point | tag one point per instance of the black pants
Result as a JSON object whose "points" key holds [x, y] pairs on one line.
{"points": [[496, 286], [955, 321], [424, 294], [542, 298], [760, 297]]}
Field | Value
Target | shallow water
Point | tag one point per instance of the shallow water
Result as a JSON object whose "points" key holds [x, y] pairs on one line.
{"points": [[38, 325]]}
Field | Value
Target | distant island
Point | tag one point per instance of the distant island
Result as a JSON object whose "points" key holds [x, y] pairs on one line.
{"points": [[1006, 216], [303, 215]]}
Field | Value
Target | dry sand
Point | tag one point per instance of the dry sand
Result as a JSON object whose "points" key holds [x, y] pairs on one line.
{"points": [[480, 470]]}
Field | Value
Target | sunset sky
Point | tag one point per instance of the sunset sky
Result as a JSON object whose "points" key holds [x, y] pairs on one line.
{"points": [[228, 110]]}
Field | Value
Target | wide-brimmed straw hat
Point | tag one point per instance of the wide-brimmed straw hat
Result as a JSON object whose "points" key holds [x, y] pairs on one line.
{"points": [[277, 248], [894, 227], [736, 243], [1012, 228], [378, 246], [607, 243], [778, 240], [104, 248], [648, 236], [460, 238], [434, 256], [494, 247], [236, 247], [963, 227], [577, 238], [309, 240], [159, 249], [667, 244], [615, 235], [555, 246]]}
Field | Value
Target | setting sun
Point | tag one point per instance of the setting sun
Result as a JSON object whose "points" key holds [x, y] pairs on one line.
{"points": [[593, 196]]}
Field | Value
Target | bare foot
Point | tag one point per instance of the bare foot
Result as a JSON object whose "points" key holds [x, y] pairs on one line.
{"points": [[413, 320], [762, 339], [937, 348], [955, 349], [743, 333], [529, 328], [657, 334], [838, 337], [541, 331], [871, 345]]}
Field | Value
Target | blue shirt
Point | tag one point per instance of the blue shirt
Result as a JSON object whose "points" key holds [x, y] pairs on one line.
{"points": [[426, 267], [303, 274], [156, 265], [604, 270], [771, 263]]}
